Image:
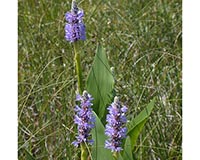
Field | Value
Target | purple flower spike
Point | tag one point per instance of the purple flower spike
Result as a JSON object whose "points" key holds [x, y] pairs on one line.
{"points": [[75, 28], [84, 118], [115, 127]]}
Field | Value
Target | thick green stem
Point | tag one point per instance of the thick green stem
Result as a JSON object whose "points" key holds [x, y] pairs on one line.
{"points": [[84, 152], [77, 59]]}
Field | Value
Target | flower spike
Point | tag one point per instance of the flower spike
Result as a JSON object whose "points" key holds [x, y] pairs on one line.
{"points": [[115, 128], [84, 118], [75, 28]]}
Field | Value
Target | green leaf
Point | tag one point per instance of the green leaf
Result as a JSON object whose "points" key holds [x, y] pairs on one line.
{"points": [[127, 152], [137, 124], [99, 152], [120, 157], [100, 83]]}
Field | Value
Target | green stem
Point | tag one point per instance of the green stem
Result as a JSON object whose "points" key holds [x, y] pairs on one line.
{"points": [[115, 155], [84, 152], [77, 59]]}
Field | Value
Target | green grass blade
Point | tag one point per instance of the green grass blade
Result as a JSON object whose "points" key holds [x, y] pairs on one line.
{"points": [[29, 155]]}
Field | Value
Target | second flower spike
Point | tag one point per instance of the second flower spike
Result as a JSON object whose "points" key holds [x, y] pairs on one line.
{"points": [[84, 118], [115, 128]]}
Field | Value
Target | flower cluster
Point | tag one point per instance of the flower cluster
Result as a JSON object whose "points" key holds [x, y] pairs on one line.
{"points": [[84, 118], [75, 28], [115, 127]]}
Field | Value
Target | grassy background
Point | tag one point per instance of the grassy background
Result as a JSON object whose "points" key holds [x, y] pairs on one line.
{"points": [[143, 41]]}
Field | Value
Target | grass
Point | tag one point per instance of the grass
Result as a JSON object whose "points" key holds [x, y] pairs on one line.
{"points": [[143, 42]]}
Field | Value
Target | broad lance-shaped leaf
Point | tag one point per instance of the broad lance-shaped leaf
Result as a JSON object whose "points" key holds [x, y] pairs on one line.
{"points": [[136, 125], [100, 83], [99, 152], [127, 152]]}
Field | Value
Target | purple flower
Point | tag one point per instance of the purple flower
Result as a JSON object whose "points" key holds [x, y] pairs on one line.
{"points": [[75, 28], [115, 127], [84, 118]]}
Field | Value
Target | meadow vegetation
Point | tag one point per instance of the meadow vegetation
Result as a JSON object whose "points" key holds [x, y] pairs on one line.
{"points": [[143, 42]]}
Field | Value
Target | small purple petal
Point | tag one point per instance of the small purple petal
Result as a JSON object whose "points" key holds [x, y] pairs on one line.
{"points": [[78, 97], [80, 14], [123, 118], [77, 108], [75, 143], [69, 17], [124, 109], [77, 120], [91, 141]]}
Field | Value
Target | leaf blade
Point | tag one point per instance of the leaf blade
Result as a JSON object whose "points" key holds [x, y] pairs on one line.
{"points": [[99, 152], [137, 124], [127, 153], [100, 83]]}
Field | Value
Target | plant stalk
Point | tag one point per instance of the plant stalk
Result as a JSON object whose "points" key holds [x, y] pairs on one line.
{"points": [[84, 153], [115, 155], [77, 59]]}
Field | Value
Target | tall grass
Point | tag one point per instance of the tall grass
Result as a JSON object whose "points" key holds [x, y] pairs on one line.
{"points": [[143, 41]]}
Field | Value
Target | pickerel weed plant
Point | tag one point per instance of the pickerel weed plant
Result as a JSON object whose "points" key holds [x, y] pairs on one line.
{"points": [[110, 134]]}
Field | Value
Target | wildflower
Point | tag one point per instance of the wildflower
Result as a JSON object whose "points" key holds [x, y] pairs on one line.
{"points": [[84, 118], [75, 28], [115, 127]]}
